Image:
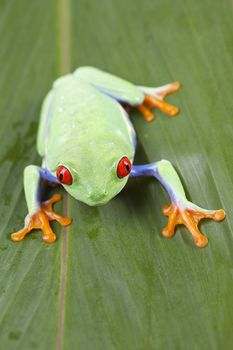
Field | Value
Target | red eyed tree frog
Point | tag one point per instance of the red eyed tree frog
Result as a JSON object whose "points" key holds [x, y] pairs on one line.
{"points": [[88, 142]]}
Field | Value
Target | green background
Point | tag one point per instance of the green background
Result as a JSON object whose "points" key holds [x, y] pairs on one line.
{"points": [[111, 281]]}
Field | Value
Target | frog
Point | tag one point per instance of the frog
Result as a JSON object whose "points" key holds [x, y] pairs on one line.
{"points": [[87, 143]]}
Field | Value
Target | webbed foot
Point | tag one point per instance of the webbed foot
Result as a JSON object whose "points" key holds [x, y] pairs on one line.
{"points": [[154, 97], [189, 216], [41, 220]]}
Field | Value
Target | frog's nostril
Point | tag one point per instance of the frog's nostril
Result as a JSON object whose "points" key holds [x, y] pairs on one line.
{"points": [[97, 195]]}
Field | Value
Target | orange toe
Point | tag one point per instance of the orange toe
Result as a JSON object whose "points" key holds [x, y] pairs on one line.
{"points": [[163, 106], [190, 218], [146, 112], [41, 220]]}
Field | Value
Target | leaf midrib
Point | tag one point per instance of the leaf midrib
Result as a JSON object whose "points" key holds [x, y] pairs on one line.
{"points": [[63, 68]]}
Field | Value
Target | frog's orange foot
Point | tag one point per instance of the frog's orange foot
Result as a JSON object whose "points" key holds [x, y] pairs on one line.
{"points": [[156, 100], [41, 220], [189, 217]]}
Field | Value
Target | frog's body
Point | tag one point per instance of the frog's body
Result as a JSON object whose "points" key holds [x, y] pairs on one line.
{"points": [[88, 142], [77, 124]]}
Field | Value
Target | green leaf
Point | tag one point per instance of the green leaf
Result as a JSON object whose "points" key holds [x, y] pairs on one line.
{"points": [[111, 281]]}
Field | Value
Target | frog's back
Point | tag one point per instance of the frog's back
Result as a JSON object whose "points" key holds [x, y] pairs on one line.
{"points": [[77, 118]]}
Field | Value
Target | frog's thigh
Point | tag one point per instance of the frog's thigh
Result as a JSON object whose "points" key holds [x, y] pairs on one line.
{"points": [[43, 124], [119, 89]]}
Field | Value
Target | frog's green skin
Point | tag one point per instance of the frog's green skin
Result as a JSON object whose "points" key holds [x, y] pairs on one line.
{"points": [[97, 134], [84, 128]]}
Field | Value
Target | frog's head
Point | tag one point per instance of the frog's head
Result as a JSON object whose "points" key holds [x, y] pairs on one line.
{"points": [[98, 181]]}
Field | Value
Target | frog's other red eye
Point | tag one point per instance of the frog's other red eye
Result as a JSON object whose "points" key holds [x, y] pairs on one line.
{"points": [[64, 175], [124, 167]]}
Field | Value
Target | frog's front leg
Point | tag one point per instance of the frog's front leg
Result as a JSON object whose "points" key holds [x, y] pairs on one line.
{"points": [[39, 213], [180, 211]]}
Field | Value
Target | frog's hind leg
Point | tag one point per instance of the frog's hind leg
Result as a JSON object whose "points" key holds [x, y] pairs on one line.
{"points": [[119, 89], [154, 97], [180, 211], [40, 213], [143, 98]]}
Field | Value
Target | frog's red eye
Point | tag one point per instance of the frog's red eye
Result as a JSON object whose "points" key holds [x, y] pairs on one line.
{"points": [[124, 167], [64, 175]]}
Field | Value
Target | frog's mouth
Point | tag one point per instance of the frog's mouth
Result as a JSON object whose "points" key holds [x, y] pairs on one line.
{"points": [[97, 194], [97, 199]]}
